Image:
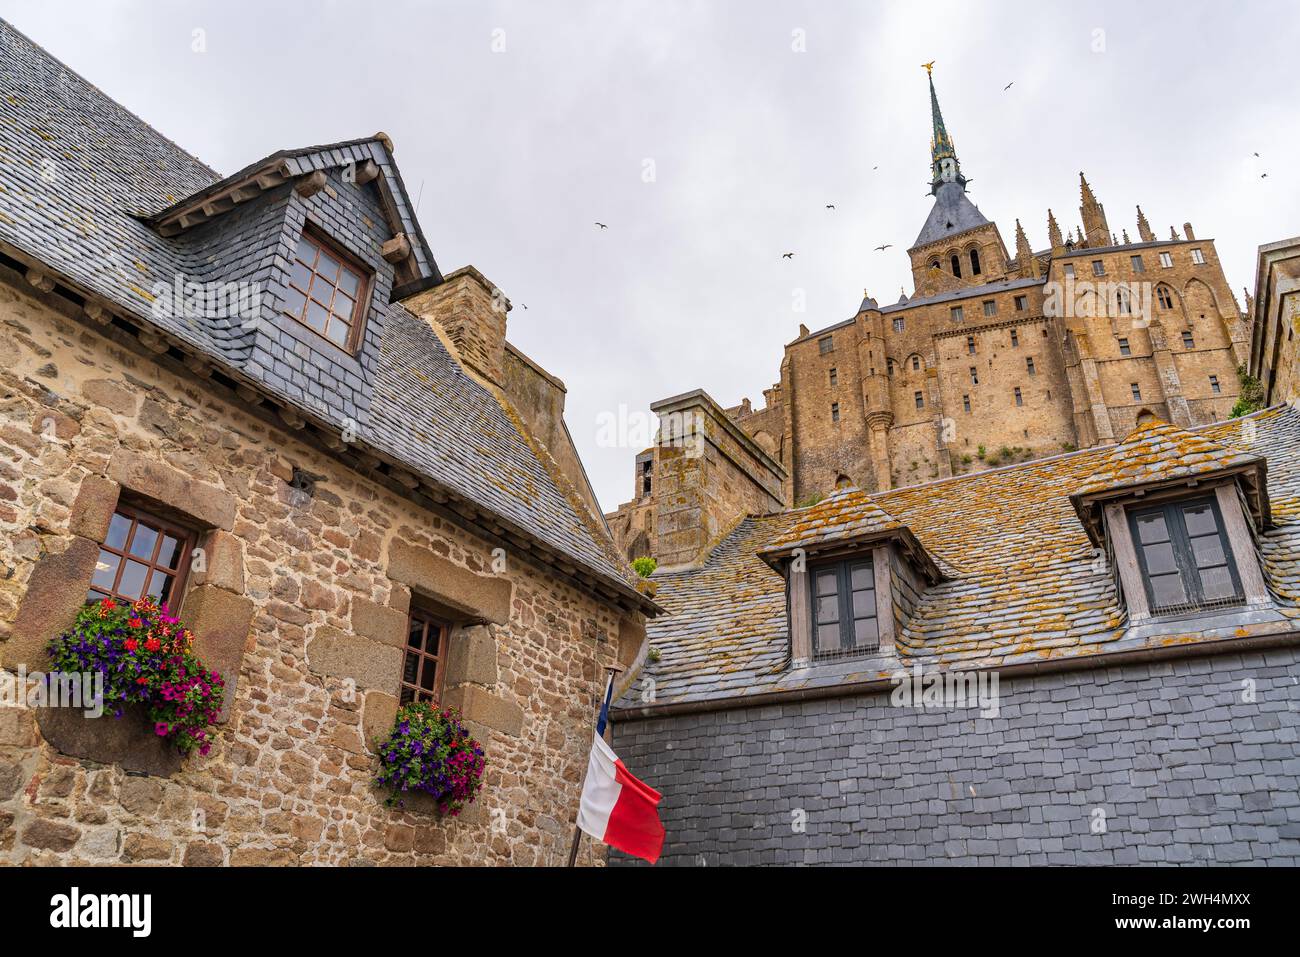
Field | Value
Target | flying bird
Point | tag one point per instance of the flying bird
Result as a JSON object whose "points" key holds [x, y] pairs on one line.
{"points": [[602, 226], [1008, 86], [1262, 175], [1256, 154], [875, 167], [787, 256], [830, 205], [884, 247]]}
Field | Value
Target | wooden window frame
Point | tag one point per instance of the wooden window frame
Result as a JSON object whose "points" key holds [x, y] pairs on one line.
{"points": [[427, 620], [843, 569], [826, 345], [1125, 348], [1021, 303], [1184, 558], [835, 411], [956, 314], [1189, 340], [360, 308], [1137, 264], [184, 534], [990, 307]]}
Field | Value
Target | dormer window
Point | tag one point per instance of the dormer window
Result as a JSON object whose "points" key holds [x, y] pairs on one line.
{"points": [[844, 609], [327, 291], [1185, 557]]}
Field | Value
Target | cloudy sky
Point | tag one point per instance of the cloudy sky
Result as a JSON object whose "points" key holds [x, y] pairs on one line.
{"points": [[710, 135]]}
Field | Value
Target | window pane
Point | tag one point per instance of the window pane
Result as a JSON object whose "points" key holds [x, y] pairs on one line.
{"points": [[1168, 590], [1160, 558], [865, 633], [317, 316], [1200, 519], [407, 696], [1208, 551], [143, 541], [117, 531], [415, 636], [158, 584], [410, 668], [432, 634], [327, 266], [293, 303], [170, 553], [828, 609], [864, 603], [133, 578], [105, 569], [300, 276], [826, 583], [1217, 583], [306, 250], [862, 577], [1151, 528], [428, 674], [349, 283], [828, 638], [338, 330]]}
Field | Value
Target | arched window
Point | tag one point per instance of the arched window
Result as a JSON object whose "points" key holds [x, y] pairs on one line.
{"points": [[934, 264], [1122, 302], [1165, 297], [916, 363], [974, 262], [956, 265], [843, 481]]}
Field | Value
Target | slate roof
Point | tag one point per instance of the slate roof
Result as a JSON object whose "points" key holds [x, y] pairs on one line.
{"points": [[952, 213], [1159, 452], [105, 168], [1022, 581]]}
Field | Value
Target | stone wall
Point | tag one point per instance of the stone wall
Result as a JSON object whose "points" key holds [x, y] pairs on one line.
{"points": [[303, 607], [1174, 757]]}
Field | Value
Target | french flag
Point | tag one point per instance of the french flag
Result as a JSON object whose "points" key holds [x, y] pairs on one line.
{"points": [[616, 807]]}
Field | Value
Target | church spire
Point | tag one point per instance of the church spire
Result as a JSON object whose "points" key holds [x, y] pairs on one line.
{"points": [[1054, 234], [1144, 228], [944, 167], [1093, 214], [1025, 255]]}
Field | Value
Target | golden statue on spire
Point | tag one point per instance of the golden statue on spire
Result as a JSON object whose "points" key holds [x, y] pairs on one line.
{"points": [[929, 68]]}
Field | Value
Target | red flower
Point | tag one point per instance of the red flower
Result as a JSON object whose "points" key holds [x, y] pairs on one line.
{"points": [[108, 604], [135, 622], [130, 644], [152, 644], [142, 681]]}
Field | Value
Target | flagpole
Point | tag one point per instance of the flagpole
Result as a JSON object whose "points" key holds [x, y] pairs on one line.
{"points": [[577, 831]]}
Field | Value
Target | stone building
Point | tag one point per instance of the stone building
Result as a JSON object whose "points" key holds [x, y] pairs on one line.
{"points": [[270, 371], [998, 355], [1275, 348], [1091, 658]]}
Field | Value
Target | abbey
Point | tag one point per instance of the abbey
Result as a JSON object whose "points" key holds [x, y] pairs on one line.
{"points": [[998, 355]]}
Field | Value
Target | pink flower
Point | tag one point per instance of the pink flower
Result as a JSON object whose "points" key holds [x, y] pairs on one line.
{"points": [[160, 729]]}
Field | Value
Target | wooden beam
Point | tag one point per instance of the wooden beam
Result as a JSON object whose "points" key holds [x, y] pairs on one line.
{"points": [[153, 342], [310, 184], [290, 418], [248, 395], [367, 171], [396, 249], [40, 280], [96, 312]]}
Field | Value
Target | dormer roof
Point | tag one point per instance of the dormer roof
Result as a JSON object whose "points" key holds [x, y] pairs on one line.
{"points": [[1157, 455]]}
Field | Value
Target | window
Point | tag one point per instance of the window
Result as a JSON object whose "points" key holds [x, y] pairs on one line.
{"points": [[426, 653], [141, 555], [1098, 267], [974, 376], [955, 313], [1198, 257], [327, 291], [1015, 339], [646, 476], [934, 264], [889, 366], [1136, 390], [898, 325], [1022, 303], [826, 344], [1123, 301], [990, 307], [974, 262], [970, 345], [965, 403], [956, 266], [1166, 260], [1020, 399], [835, 411], [919, 399], [1164, 297], [1184, 556], [1188, 341], [1138, 265], [844, 609], [1069, 270], [1029, 364], [916, 363], [835, 377], [1214, 384], [1124, 349]]}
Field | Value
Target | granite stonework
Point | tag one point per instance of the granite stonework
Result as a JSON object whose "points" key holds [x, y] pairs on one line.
{"points": [[1191, 761]]}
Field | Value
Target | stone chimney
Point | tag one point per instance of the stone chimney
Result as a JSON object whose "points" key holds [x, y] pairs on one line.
{"points": [[472, 312], [1187, 231]]}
